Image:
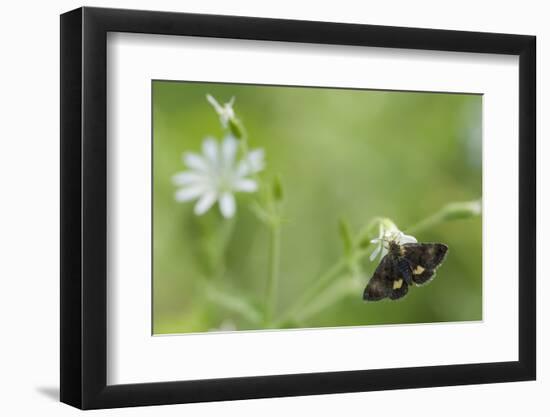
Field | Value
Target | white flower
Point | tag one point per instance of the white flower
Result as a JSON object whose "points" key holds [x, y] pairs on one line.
{"points": [[389, 233], [216, 175], [225, 326], [225, 112]]}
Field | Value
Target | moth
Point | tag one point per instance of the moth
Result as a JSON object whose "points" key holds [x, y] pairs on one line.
{"points": [[403, 266]]}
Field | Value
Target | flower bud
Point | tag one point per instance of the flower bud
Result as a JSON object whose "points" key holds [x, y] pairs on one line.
{"points": [[278, 193], [235, 127]]}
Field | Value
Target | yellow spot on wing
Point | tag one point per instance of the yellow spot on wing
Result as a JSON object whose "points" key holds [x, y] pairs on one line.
{"points": [[418, 270], [397, 284]]}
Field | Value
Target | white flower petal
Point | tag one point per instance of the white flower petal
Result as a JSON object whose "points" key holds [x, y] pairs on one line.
{"points": [[245, 185], [196, 162], [214, 174], [243, 169], [189, 193], [187, 178], [229, 149], [227, 205], [227, 113], [205, 202], [224, 120], [406, 239], [210, 150], [387, 235], [227, 326], [214, 103], [252, 163], [375, 252], [256, 160]]}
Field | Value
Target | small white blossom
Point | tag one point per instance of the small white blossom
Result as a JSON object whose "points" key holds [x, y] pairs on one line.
{"points": [[225, 111], [225, 326], [216, 175], [389, 233]]}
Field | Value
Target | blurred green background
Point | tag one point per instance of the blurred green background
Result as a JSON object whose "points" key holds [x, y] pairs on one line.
{"points": [[351, 154]]}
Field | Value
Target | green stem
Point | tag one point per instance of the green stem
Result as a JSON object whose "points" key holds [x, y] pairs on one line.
{"points": [[233, 303], [427, 223], [320, 284], [459, 210], [333, 293], [227, 228], [275, 231], [273, 276]]}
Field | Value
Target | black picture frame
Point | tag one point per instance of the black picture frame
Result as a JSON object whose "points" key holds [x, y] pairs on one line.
{"points": [[84, 207]]}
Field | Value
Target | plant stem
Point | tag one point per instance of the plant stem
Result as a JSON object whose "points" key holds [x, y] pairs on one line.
{"points": [[320, 284], [459, 210], [227, 228], [274, 224], [273, 277], [317, 287], [427, 223], [233, 303], [333, 293]]}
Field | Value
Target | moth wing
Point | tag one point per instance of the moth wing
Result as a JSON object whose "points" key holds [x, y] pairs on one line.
{"points": [[424, 277], [400, 288], [381, 283], [424, 259]]}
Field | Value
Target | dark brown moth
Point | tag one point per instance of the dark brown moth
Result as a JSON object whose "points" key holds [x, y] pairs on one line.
{"points": [[404, 265]]}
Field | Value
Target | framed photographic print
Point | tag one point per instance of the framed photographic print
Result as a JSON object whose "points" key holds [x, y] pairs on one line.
{"points": [[258, 208]]}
